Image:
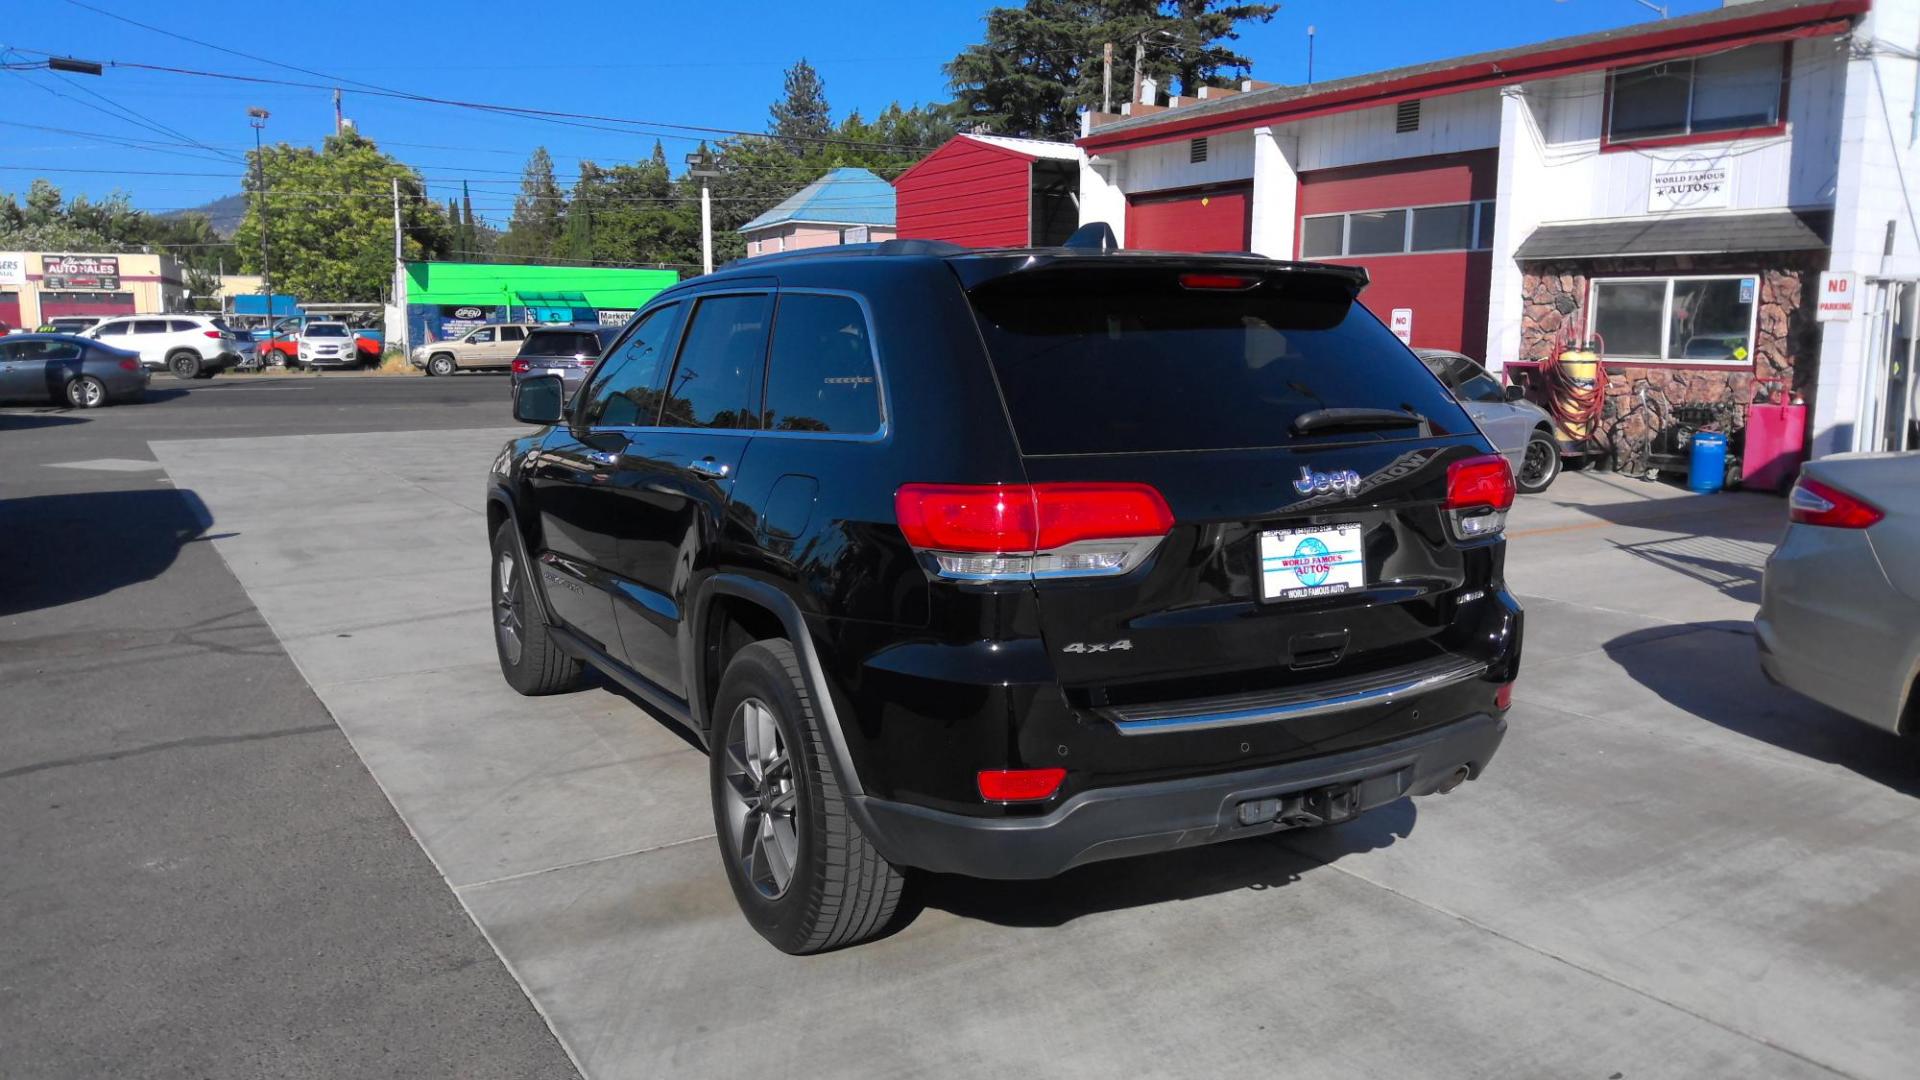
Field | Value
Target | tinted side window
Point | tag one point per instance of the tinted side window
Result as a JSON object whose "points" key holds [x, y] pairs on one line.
{"points": [[180, 326], [1474, 384], [480, 337], [150, 326], [627, 391], [820, 374], [513, 333], [115, 329], [716, 383]]}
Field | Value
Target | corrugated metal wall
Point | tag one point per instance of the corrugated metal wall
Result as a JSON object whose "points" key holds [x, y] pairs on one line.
{"points": [[966, 192], [1213, 219]]}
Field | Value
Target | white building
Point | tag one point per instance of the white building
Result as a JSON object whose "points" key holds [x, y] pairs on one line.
{"points": [[1676, 189]]}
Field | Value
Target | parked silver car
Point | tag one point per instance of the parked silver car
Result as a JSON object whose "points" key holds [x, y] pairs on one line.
{"points": [[75, 371], [1839, 613], [569, 350], [1519, 429]]}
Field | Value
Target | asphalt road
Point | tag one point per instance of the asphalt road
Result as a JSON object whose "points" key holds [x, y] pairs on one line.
{"points": [[198, 877]]}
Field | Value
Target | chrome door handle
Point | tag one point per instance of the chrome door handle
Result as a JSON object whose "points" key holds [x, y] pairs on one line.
{"points": [[709, 467], [602, 457]]}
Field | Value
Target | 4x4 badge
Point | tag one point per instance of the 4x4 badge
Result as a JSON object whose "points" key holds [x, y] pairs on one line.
{"points": [[1338, 480]]}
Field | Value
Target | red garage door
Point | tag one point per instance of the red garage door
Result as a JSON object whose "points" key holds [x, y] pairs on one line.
{"points": [[10, 310], [1199, 219], [1443, 274]]}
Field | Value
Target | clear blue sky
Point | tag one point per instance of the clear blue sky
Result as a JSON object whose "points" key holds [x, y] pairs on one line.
{"points": [[706, 63]]}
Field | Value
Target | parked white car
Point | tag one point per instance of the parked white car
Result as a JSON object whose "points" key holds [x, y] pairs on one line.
{"points": [[327, 344], [190, 346]]}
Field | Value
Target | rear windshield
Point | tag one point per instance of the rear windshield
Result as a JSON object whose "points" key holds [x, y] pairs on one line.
{"points": [[561, 343], [1131, 362]]}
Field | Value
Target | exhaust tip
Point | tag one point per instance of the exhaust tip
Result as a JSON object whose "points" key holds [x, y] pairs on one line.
{"points": [[1454, 779]]}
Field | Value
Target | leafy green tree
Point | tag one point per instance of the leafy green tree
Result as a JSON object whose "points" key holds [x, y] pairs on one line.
{"points": [[800, 119], [539, 212], [331, 211], [47, 222], [1041, 63], [631, 215]]}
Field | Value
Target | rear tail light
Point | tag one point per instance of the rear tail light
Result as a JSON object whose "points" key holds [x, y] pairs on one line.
{"points": [[214, 334], [129, 365], [992, 532], [521, 367], [1020, 785], [1479, 493], [1815, 503]]}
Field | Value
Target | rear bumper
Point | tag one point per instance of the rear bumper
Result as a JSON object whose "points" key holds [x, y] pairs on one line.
{"points": [[1138, 819]]}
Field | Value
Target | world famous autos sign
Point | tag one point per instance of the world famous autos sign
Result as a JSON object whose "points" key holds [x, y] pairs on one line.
{"points": [[80, 272]]}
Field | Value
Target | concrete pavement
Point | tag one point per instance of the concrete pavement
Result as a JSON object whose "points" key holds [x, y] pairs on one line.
{"points": [[1671, 870]]}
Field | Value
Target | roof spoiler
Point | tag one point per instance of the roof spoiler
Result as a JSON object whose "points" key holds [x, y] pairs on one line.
{"points": [[1094, 236]]}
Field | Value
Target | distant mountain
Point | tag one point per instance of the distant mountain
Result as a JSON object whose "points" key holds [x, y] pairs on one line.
{"points": [[224, 213]]}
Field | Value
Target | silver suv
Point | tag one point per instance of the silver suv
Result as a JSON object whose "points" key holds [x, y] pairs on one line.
{"points": [[190, 346], [486, 348]]}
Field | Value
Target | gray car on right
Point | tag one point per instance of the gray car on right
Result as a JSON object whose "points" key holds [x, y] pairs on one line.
{"points": [[1839, 613], [1519, 429]]}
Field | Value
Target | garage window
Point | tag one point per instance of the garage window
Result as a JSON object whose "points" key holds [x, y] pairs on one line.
{"points": [[1415, 229], [1688, 320], [1736, 91]]}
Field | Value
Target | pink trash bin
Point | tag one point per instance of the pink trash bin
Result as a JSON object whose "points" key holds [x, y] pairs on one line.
{"points": [[1776, 444]]}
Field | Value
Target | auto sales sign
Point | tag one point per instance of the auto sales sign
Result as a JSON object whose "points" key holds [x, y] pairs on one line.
{"points": [[1693, 184], [79, 272]]}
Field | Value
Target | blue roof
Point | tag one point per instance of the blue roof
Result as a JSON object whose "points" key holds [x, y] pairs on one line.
{"points": [[841, 197]]}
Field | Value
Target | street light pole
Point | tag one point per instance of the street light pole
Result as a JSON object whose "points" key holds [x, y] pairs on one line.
{"points": [[257, 117], [700, 165]]}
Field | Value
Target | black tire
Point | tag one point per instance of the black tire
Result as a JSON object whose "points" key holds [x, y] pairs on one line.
{"points": [[86, 392], [184, 364], [535, 667], [441, 364], [1540, 465], [839, 891]]}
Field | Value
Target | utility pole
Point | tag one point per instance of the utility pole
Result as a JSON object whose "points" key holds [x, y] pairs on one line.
{"points": [[1139, 61], [1309, 55], [700, 165], [1106, 81], [257, 117]]}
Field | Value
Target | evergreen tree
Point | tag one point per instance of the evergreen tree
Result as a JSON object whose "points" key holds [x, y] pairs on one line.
{"points": [[469, 236], [539, 212], [801, 119]]}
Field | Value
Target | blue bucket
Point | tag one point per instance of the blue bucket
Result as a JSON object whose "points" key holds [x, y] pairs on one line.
{"points": [[1707, 471]]}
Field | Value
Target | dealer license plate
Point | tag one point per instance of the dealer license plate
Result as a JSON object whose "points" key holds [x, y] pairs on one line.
{"points": [[1316, 561], [562, 372]]}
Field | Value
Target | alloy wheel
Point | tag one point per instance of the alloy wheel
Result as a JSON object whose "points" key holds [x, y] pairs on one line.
{"points": [[87, 393], [1537, 467], [762, 802], [507, 618]]}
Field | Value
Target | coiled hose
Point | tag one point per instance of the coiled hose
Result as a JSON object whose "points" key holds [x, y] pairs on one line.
{"points": [[1575, 401]]}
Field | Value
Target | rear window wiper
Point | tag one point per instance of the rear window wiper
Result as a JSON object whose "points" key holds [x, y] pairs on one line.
{"points": [[1317, 421]]}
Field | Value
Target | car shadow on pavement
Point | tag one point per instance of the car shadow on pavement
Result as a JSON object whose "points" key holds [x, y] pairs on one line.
{"points": [[18, 421], [1259, 863], [1712, 670], [70, 547]]}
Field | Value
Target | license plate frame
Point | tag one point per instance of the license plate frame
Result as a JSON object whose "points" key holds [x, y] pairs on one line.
{"points": [[1311, 561]]}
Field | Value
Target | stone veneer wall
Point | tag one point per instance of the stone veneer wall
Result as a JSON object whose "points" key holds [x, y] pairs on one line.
{"points": [[1640, 398]]}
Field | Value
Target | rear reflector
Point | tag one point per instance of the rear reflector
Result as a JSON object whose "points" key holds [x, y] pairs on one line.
{"points": [[1020, 785], [996, 531], [1503, 697], [1815, 503], [1217, 281]]}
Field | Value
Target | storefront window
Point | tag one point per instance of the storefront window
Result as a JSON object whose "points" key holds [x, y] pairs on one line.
{"points": [[1700, 320]]}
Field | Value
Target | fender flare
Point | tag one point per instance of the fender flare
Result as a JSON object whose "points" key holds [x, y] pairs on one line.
{"points": [[504, 496], [782, 607]]}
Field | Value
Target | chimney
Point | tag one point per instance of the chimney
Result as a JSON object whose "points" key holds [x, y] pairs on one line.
{"points": [[1149, 90]]}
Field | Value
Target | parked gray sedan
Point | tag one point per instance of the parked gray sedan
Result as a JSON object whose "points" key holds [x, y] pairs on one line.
{"points": [[1519, 429], [79, 372], [1839, 613]]}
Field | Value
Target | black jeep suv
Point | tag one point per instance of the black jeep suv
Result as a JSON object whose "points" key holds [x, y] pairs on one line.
{"points": [[1000, 562]]}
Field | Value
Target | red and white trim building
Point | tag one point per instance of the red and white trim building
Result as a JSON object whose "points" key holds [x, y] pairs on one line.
{"points": [[1681, 187]]}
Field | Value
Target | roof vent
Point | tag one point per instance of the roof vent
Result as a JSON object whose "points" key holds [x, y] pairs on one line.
{"points": [[1196, 151], [1407, 117]]}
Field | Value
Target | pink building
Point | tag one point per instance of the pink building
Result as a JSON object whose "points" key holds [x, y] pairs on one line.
{"points": [[845, 206]]}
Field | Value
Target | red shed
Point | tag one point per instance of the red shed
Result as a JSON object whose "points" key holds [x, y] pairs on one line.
{"points": [[991, 191]]}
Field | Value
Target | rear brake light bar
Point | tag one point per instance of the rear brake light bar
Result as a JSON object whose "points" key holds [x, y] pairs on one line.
{"points": [[998, 532], [1815, 503], [1231, 282], [1480, 491]]}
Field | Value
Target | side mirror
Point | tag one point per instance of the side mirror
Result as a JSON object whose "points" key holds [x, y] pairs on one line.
{"points": [[540, 399], [1516, 392]]}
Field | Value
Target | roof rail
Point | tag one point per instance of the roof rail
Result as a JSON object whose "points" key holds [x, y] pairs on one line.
{"points": [[882, 247]]}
